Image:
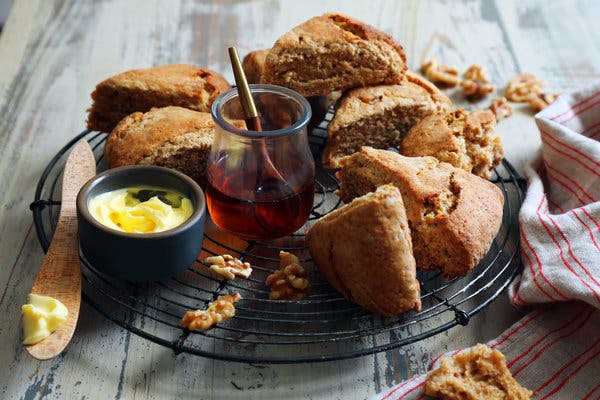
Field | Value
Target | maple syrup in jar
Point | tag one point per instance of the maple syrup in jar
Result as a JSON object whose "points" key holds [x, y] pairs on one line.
{"points": [[260, 185]]}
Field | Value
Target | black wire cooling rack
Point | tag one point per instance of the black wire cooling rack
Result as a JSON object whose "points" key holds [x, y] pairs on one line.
{"points": [[322, 327]]}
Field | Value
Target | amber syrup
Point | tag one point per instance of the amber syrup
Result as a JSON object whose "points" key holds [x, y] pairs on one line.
{"points": [[273, 211]]}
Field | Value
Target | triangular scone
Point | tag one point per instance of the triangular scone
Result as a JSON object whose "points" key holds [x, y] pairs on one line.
{"points": [[364, 250], [453, 214], [333, 52], [142, 89], [465, 139], [379, 116]]}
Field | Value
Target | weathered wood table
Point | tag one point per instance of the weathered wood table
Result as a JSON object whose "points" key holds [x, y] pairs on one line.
{"points": [[52, 53]]}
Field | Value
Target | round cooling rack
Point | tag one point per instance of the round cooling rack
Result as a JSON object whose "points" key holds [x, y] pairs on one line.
{"points": [[322, 327]]}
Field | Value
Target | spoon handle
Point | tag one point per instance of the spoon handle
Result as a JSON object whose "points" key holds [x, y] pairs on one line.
{"points": [[60, 273]]}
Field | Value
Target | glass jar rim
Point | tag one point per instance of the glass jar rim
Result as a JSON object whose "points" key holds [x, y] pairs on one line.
{"points": [[262, 88]]}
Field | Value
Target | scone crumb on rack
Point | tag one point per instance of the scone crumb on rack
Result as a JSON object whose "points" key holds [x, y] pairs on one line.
{"points": [[479, 373], [440, 74], [290, 281], [217, 311], [228, 266], [521, 87], [500, 107]]}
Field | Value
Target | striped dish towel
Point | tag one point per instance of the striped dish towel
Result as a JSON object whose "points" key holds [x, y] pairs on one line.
{"points": [[555, 350]]}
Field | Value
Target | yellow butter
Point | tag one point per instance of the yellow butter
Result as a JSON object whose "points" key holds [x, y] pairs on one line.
{"points": [[41, 316], [123, 210]]}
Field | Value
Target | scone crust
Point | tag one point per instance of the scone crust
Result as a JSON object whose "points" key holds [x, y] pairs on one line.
{"points": [[167, 136], [299, 59], [254, 64], [379, 116], [142, 89], [454, 215], [364, 250], [465, 139], [480, 373]]}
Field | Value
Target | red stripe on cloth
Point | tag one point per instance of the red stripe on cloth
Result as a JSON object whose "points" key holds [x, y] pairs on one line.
{"points": [[556, 340], [411, 390], [591, 218], [574, 106], [571, 181], [518, 300], [589, 128], [560, 250], [588, 229], [556, 206], [580, 111], [524, 353], [387, 396], [570, 251], [591, 392], [532, 317], [533, 274], [568, 146], [564, 381], [556, 149]]}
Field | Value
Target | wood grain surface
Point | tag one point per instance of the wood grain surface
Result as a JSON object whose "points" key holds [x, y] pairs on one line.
{"points": [[52, 53]]}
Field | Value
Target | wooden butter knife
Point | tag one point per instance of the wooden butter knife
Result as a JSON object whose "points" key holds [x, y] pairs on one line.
{"points": [[60, 273]]}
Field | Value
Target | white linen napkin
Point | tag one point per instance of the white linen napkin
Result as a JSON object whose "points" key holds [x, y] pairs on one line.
{"points": [[555, 349]]}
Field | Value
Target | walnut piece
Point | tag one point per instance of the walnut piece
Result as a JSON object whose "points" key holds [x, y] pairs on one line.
{"points": [[539, 101], [522, 86], [217, 311], [228, 266], [443, 75], [500, 107], [289, 282], [475, 85]]}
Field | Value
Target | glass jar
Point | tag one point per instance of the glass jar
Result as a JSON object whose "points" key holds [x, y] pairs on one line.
{"points": [[260, 185]]}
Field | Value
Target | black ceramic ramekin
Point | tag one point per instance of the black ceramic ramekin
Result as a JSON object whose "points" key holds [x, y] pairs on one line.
{"points": [[140, 256]]}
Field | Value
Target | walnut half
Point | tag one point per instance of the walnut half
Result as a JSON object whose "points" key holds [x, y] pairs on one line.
{"points": [[228, 266], [521, 87], [289, 282], [475, 85], [440, 74], [539, 101], [500, 108], [217, 311]]}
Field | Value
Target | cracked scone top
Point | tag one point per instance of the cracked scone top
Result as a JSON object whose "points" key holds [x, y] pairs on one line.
{"points": [[465, 139], [142, 89], [364, 250], [333, 52], [453, 215]]}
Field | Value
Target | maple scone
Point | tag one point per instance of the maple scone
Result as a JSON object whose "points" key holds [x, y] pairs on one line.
{"points": [[172, 137], [465, 139], [142, 89], [480, 373], [364, 250], [453, 215], [379, 116], [333, 52]]}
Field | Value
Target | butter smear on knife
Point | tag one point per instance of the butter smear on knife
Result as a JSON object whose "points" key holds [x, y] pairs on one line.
{"points": [[41, 316]]}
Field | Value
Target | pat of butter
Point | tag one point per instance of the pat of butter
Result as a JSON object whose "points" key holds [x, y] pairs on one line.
{"points": [[41, 316], [126, 210]]}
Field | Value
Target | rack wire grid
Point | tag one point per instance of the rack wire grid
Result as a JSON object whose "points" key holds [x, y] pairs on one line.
{"points": [[322, 327]]}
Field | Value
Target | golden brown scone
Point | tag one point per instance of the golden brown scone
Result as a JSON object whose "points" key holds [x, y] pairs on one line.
{"points": [[333, 52], [379, 116], [480, 373], [453, 215], [172, 137], [254, 64], [462, 138], [141, 89], [364, 250]]}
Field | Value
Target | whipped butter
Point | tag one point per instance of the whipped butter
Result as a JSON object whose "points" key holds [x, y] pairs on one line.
{"points": [[41, 316], [141, 209]]}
